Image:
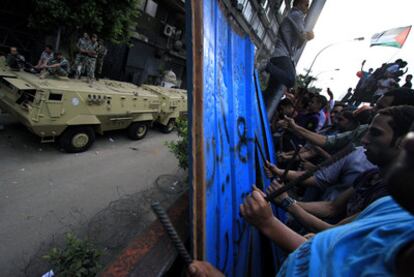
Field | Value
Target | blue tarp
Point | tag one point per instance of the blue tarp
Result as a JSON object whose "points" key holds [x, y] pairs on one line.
{"points": [[234, 114]]}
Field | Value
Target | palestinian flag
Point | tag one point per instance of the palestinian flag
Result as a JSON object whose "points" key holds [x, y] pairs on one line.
{"points": [[393, 37]]}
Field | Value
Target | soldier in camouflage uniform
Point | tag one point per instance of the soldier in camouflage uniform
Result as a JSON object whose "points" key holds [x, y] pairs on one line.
{"points": [[57, 66], [91, 58], [101, 53], [80, 60]]}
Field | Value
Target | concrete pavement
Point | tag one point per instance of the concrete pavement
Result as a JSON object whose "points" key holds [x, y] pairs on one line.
{"points": [[45, 193]]}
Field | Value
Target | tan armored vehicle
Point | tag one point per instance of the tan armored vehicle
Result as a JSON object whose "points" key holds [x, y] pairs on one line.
{"points": [[173, 105], [71, 111]]}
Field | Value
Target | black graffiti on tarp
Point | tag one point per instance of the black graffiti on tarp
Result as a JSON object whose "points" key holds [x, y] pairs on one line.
{"points": [[241, 148], [243, 141], [227, 248], [241, 227], [218, 147]]}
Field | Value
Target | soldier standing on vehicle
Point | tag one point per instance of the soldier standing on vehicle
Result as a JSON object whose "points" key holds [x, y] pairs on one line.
{"points": [[91, 58], [80, 60], [101, 53]]}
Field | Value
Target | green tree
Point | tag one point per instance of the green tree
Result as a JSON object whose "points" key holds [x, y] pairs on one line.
{"points": [[77, 258], [180, 147], [305, 81], [111, 20]]}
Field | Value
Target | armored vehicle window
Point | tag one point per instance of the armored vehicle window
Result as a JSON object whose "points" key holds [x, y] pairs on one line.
{"points": [[55, 96], [26, 95]]}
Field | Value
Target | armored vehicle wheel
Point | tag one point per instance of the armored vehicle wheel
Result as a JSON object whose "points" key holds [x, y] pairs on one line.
{"points": [[137, 130], [169, 127], [77, 139]]}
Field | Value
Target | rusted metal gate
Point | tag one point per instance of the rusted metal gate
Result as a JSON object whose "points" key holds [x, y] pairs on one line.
{"points": [[227, 115]]}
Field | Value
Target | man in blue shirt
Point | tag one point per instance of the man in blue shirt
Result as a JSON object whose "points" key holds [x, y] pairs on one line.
{"points": [[378, 242]]}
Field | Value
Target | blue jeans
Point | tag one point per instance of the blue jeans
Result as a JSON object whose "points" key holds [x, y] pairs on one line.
{"points": [[282, 71]]}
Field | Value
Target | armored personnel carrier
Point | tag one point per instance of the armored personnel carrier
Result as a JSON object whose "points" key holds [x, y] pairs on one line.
{"points": [[72, 112], [173, 105]]}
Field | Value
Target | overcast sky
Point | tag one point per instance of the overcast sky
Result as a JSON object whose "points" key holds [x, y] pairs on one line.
{"points": [[343, 20]]}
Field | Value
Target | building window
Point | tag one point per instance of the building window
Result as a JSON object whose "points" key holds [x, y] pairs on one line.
{"points": [[151, 8]]}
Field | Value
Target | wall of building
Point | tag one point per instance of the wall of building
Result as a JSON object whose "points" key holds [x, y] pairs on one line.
{"points": [[157, 45]]}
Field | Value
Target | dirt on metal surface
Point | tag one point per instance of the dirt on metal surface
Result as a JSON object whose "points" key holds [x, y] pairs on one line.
{"points": [[151, 253]]}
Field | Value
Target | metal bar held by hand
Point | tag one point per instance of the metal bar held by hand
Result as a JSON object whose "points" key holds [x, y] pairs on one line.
{"points": [[339, 155], [172, 233]]}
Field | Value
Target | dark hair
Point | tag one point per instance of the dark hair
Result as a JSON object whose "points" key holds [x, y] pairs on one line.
{"points": [[350, 117], [409, 75], [322, 100], [49, 46], [402, 119], [339, 104], [402, 96], [58, 54], [285, 102], [364, 116], [296, 2]]}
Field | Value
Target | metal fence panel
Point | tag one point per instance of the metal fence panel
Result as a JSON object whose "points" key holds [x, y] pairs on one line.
{"points": [[233, 116]]}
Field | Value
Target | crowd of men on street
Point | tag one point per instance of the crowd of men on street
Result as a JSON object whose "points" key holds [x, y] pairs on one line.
{"points": [[373, 84], [351, 214], [88, 61], [348, 214]]}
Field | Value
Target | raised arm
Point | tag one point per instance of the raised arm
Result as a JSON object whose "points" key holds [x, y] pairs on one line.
{"points": [[258, 212], [314, 138], [272, 170], [308, 220], [328, 209]]}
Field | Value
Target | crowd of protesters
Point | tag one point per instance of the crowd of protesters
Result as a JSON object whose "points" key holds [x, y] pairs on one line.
{"points": [[351, 214], [351, 217], [374, 83]]}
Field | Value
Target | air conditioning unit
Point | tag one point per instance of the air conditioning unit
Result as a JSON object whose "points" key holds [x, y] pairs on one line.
{"points": [[169, 30]]}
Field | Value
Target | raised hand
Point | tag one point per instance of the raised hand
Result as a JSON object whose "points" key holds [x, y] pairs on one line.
{"points": [[203, 269], [256, 210], [274, 186]]}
